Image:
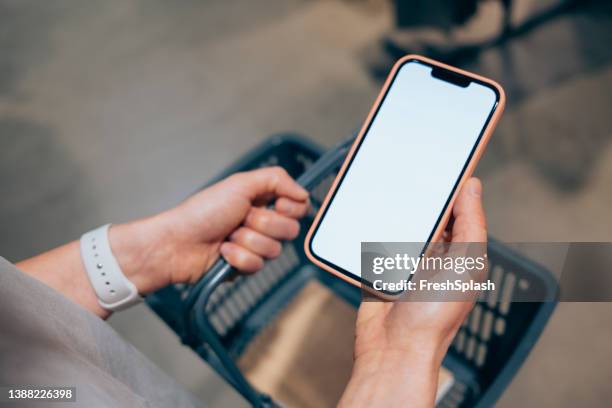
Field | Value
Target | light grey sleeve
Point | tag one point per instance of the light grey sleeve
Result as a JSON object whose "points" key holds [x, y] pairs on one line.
{"points": [[45, 339]]}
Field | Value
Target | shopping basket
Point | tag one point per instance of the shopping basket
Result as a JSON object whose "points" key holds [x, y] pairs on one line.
{"points": [[218, 317]]}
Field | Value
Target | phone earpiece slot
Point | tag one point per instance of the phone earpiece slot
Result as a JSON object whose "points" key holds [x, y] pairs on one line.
{"points": [[450, 77]]}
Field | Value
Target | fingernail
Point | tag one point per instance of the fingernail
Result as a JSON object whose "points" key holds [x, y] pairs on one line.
{"points": [[285, 206], [475, 188], [223, 250]]}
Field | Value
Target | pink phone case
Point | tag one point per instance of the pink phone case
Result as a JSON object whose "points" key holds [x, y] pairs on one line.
{"points": [[488, 131]]}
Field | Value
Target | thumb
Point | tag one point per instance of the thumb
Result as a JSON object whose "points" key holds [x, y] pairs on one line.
{"points": [[470, 224], [272, 180]]}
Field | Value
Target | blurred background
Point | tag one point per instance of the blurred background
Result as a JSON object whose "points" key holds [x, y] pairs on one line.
{"points": [[111, 110]]}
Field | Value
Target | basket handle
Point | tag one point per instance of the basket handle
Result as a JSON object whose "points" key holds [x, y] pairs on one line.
{"points": [[309, 179], [199, 295]]}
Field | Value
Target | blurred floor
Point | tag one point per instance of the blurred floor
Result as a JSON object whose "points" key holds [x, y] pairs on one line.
{"points": [[113, 110]]}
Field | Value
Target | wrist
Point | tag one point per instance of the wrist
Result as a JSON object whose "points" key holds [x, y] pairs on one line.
{"points": [[397, 362], [395, 377], [139, 251]]}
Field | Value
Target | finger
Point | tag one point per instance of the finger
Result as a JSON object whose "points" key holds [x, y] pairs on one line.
{"points": [[272, 180], [272, 224], [469, 224], [256, 242], [291, 208], [241, 258]]}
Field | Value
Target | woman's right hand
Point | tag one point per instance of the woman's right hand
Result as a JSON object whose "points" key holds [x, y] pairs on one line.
{"points": [[399, 346]]}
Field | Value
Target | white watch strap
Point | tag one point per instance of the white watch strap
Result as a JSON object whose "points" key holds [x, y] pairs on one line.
{"points": [[114, 290]]}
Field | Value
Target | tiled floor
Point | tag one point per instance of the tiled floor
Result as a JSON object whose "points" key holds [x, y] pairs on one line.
{"points": [[112, 110]]}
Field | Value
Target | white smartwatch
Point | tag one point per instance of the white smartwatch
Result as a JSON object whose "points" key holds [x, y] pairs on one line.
{"points": [[115, 291]]}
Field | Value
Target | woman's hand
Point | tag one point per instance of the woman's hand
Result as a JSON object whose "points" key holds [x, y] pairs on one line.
{"points": [[400, 345], [230, 218]]}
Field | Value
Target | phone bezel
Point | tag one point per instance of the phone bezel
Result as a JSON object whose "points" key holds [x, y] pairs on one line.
{"points": [[465, 171]]}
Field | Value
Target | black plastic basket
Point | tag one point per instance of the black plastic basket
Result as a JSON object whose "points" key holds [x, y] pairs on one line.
{"points": [[219, 318]]}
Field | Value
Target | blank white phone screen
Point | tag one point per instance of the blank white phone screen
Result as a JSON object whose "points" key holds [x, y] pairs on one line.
{"points": [[406, 167]]}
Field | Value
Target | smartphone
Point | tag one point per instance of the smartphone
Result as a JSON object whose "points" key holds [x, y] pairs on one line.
{"points": [[420, 142]]}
